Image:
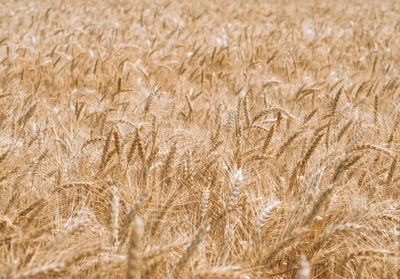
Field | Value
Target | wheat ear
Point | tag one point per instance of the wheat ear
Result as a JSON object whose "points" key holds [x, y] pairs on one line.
{"points": [[179, 270], [134, 257], [304, 270]]}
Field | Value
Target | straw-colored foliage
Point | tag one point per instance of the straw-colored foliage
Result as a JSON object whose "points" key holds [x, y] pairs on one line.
{"points": [[199, 139]]}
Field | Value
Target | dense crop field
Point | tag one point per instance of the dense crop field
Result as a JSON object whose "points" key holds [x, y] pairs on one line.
{"points": [[199, 139]]}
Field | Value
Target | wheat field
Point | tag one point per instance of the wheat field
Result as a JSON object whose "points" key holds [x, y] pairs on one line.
{"points": [[199, 139]]}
